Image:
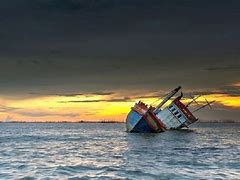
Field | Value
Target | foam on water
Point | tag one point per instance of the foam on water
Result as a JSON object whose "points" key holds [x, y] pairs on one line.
{"points": [[106, 151]]}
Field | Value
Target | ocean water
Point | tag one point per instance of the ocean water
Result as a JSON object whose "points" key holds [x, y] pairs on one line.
{"points": [[106, 151]]}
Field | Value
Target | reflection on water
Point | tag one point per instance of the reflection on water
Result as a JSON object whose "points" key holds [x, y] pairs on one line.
{"points": [[107, 151]]}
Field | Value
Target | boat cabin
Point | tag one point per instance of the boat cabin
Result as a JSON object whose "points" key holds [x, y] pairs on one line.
{"points": [[176, 115]]}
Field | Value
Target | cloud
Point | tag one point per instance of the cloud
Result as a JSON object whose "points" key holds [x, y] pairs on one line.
{"points": [[102, 93], [124, 99], [63, 94], [25, 112], [7, 109], [230, 90], [69, 95], [46, 114], [237, 85], [73, 47], [73, 94], [149, 96], [224, 68]]}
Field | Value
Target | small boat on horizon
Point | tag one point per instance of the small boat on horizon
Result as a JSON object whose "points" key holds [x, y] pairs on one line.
{"points": [[148, 119]]}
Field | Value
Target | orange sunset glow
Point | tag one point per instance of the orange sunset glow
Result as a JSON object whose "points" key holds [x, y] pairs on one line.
{"points": [[88, 107]]}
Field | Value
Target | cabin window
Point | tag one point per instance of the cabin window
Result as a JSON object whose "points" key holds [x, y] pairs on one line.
{"points": [[170, 107], [173, 109], [179, 116], [176, 113]]}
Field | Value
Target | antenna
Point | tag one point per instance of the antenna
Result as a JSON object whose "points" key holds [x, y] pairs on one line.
{"points": [[193, 100], [169, 96], [158, 99], [208, 104]]}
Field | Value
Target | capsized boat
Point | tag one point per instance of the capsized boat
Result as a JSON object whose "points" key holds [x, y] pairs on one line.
{"points": [[147, 119]]}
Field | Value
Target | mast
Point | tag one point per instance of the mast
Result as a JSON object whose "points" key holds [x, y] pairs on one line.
{"points": [[203, 106], [171, 94], [193, 100]]}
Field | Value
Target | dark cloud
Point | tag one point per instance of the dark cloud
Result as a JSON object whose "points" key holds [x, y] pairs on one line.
{"points": [[20, 111], [118, 27], [69, 46], [45, 114], [4, 109], [73, 94], [67, 94], [148, 96], [226, 68], [230, 90], [125, 99], [103, 93], [227, 90]]}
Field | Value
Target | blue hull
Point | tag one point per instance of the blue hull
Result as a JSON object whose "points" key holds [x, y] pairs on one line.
{"points": [[137, 124]]}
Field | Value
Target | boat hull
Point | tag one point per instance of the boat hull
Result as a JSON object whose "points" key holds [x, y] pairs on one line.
{"points": [[143, 123]]}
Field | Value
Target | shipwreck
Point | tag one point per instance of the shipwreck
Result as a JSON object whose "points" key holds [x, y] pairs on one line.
{"points": [[148, 119]]}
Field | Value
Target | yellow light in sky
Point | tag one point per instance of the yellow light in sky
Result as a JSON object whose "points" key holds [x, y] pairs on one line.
{"points": [[77, 108]]}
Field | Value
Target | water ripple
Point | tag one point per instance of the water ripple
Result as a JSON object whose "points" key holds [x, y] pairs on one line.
{"points": [[106, 151]]}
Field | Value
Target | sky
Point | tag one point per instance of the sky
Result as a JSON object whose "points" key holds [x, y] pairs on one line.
{"points": [[74, 60]]}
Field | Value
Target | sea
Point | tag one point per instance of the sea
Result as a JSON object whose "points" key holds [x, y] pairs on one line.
{"points": [[107, 151]]}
